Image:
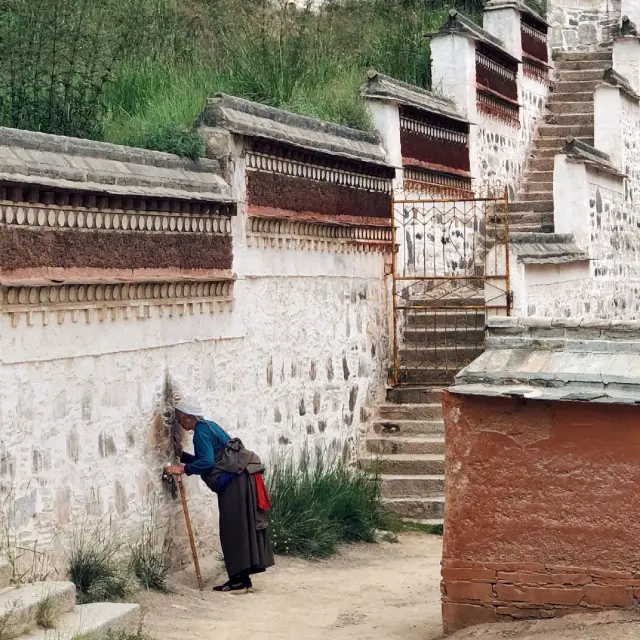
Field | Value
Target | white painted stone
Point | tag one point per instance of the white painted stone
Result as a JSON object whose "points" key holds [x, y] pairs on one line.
{"points": [[571, 200], [608, 122], [386, 120], [578, 25], [504, 23], [453, 71], [626, 58]]}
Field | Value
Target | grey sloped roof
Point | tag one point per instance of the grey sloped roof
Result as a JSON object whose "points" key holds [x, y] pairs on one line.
{"points": [[522, 7], [557, 359], [254, 120], [579, 151], [459, 23], [45, 160], [615, 79], [381, 87], [545, 248]]}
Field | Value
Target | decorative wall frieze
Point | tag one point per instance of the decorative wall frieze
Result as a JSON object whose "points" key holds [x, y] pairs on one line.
{"points": [[295, 168], [433, 182], [74, 302], [289, 234], [81, 218], [497, 107]]}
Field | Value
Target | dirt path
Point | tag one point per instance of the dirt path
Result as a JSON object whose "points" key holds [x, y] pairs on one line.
{"points": [[370, 592], [389, 591]]}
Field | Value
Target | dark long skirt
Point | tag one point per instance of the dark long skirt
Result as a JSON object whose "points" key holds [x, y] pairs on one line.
{"points": [[245, 543]]}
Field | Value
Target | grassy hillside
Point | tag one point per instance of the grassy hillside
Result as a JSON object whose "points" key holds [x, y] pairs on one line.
{"points": [[138, 71]]}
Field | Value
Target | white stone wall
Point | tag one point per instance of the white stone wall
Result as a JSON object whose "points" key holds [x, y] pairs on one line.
{"points": [[302, 357], [613, 241], [583, 24]]}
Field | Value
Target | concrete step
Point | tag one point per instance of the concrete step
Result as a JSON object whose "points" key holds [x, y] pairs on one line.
{"points": [[580, 75], [582, 56], [588, 86], [534, 175], [414, 395], [450, 318], [565, 108], [571, 119], [533, 227], [403, 486], [528, 218], [429, 521], [93, 620], [416, 508], [455, 356], [561, 131], [558, 144], [405, 444], [408, 464], [409, 428], [576, 65], [558, 97], [529, 188], [445, 336], [431, 411], [6, 575], [543, 159], [467, 295], [20, 606], [534, 206], [427, 374]]}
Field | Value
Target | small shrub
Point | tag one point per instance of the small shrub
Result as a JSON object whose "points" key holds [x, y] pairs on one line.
{"points": [[138, 634], [94, 568], [149, 558], [319, 502], [47, 613], [173, 138]]}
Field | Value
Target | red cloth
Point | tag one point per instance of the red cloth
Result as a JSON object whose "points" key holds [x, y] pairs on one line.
{"points": [[264, 500]]}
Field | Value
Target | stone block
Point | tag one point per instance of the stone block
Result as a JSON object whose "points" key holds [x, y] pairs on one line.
{"points": [[569, 596], [608, 595], [469, 591]]}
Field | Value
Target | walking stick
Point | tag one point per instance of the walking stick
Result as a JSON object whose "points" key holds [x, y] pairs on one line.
{"points": [[194, 553]]}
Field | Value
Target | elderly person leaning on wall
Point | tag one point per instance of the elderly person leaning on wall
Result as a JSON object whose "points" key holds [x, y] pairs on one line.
{"points": [[235, 474]]}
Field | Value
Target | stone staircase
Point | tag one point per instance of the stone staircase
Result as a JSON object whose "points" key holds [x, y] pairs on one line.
{"points": [[407, 449], [570, 113], [24, 608]]}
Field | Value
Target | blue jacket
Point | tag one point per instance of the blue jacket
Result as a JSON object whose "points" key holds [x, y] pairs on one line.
{"points": [[208, 439]]}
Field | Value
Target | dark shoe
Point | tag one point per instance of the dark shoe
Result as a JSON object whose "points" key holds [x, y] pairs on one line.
{"points": [[235, 587]]}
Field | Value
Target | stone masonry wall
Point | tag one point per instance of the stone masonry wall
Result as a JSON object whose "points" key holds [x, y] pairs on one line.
{"points": [[583, 24], [613, 290], [532, 546], [301, 358]]}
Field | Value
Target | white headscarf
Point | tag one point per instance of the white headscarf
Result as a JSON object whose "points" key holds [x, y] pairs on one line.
{"points": [[190, 406]]}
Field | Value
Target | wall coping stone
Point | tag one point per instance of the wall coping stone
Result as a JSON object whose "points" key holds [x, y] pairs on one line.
{"points": [[556, 359], [59, 162], [381, 87], [628, 28], [545, 248], [253, 120], [614, 79], [580, 152], [457, 23]]}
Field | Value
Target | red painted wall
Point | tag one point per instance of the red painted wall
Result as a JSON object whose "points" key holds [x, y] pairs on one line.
{"points": [[542, 509]]}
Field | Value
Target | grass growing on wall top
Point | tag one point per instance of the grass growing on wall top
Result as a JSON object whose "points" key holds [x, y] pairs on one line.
{"points": [[138, 71]]}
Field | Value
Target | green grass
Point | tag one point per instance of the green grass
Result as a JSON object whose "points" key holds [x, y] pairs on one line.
{"points": [[321, 502]]}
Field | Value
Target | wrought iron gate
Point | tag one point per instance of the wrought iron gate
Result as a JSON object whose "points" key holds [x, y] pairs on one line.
{"points": [[451, 269]]}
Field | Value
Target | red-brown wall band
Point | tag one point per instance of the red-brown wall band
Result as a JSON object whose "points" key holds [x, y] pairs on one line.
{"points": [[446, 154], [27, 248], [278, 191], [542, 516]]}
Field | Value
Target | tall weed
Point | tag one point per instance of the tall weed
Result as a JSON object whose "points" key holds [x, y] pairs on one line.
{"points": [[319, 502]]}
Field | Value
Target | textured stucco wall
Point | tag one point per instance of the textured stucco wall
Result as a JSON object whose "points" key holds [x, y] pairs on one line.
{"points": [[532, 545], [303, 356], [583, 24]]}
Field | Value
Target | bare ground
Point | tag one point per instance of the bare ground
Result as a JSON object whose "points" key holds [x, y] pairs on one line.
{"points": [[369, 592]]}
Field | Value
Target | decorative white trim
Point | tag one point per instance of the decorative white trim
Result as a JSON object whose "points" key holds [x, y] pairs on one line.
{"points": [[271, 233], [106, 300], [273, 164], [432, 131], [82, 218]]}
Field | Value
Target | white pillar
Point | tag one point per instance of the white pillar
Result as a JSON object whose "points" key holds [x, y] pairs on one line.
{"points": [[608, 118], [504, 22], [626, 59], [453, 71], [571, 201]]}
